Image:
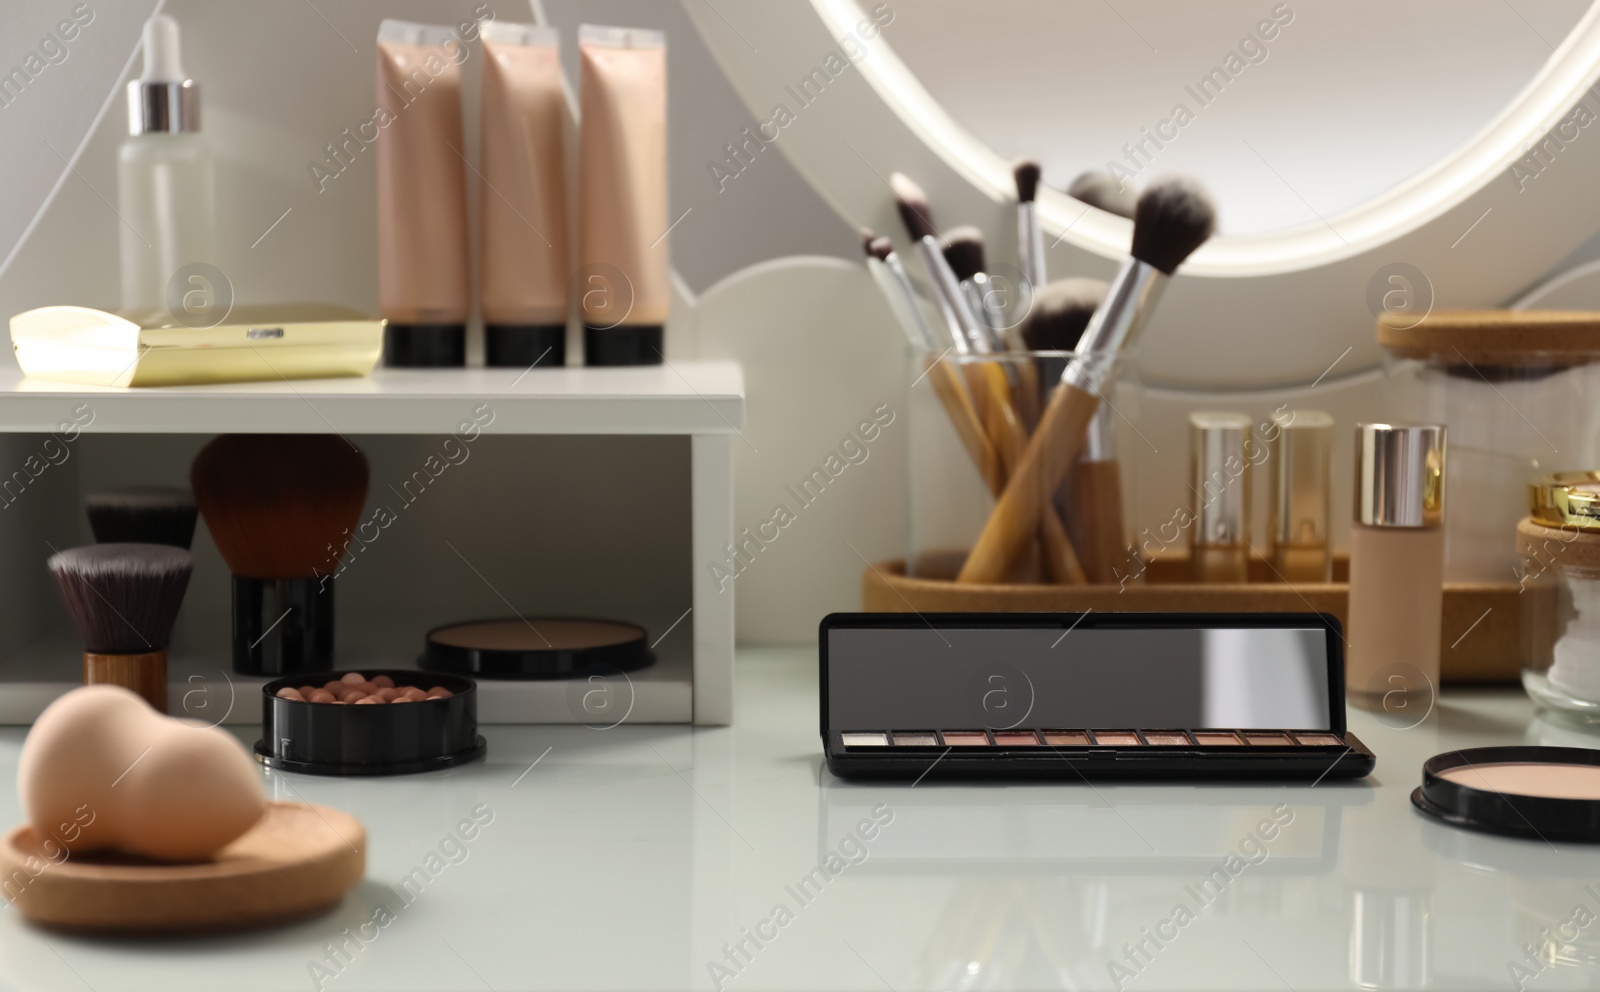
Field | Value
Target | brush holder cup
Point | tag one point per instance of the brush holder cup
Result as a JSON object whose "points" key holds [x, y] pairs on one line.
{"points": [[1520, 395], [282, 626], [971, 421]]}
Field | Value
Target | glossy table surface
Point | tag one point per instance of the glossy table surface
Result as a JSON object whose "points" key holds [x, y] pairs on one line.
{"points": [[641, 857]]}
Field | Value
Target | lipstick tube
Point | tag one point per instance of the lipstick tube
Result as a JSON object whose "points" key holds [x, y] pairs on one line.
{"points": [[1302, 468], [1219, 483]]}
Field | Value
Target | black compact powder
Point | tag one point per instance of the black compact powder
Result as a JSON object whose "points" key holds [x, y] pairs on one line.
{"points": [[1528, 791], [391, 739], [536, 647]]}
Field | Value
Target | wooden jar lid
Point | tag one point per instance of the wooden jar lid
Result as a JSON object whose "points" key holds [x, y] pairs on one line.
{"points": [[1496, 338], [1543, 548]]}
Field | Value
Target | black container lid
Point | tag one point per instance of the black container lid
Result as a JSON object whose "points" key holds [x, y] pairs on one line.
{"points": [[553, 648], [416, 346], [390, 739], [1508, 814], [638, 344], [525, 345]]}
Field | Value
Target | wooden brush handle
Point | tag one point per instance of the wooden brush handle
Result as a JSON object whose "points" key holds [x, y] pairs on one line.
{"points": [[1027, 495], [145, 674], [964, 417], [1095, 494], [1028, 395], [1010, 440]]}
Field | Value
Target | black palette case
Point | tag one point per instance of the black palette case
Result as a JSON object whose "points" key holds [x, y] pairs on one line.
{"points": [[1086, 696]]}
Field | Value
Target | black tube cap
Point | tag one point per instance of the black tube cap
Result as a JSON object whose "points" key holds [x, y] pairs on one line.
{"points": [[418, 346], [632, 345], [525, 346]]}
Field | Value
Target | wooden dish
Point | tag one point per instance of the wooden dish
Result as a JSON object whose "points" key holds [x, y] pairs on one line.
{"points": [[1479, 628], [297, 862]]}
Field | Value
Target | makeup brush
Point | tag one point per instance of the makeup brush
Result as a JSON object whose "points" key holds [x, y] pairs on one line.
{"points": [[917, 216], [1174, 217], [1060, 312], [1094, 485], [884, 264], [1030, 237], [142, 515], [281, 508], [962, 248], [123, 599], [1098, 189], [989, 387]]}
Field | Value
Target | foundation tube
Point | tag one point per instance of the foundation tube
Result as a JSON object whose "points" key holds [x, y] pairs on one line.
{"points": [[524, 201], [623, 288], [423, 286]]}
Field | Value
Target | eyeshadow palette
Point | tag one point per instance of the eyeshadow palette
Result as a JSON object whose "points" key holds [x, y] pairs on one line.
{"points": [[1079, 696]]}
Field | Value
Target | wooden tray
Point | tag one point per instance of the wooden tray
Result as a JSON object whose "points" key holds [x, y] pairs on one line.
{"points": [[297, 862], [1479, 629]]}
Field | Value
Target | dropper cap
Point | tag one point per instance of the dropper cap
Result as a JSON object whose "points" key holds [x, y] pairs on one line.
{"points": [[163, 99]]}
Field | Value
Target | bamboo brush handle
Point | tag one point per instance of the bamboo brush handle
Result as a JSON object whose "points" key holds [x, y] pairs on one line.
{"points": [[1028, 395], [145, 674], [964, 417], [1059, 554], [1011, 442], [1027, 495], [1095, 491]]}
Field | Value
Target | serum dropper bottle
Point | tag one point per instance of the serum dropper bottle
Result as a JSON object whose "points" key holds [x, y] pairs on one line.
{"points": [[164, 185]]}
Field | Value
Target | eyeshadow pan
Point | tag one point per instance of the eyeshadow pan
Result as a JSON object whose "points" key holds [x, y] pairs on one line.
{"points": [[915, 740], [1319, 740], [1066, 738], [1117, 738], [966, 738], [1166, 738], [1016, 738], [1216, 739], [1271, 740], [865, 740]]}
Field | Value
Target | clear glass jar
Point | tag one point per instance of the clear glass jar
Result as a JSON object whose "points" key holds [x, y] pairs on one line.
{"points": [[1561, 617], [1508, 423], [958, 461]]}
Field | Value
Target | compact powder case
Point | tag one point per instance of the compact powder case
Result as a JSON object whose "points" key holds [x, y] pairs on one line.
{"points": [[1529, 791], [536, 647], [1083, 696], [392, 739]]}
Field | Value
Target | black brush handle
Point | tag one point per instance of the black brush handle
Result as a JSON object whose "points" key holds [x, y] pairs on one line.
{"points": [[282, 626]]}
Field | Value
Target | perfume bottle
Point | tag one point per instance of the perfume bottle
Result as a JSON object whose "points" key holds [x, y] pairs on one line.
{"points": [[164, 186]]}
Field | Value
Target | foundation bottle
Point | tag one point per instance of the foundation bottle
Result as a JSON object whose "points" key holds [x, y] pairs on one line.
{"points": [[1219, 484], [1396, 567]]}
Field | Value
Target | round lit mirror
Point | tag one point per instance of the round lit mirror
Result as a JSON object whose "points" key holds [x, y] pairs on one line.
{"points": [[1341, 141], [1291, 112]]}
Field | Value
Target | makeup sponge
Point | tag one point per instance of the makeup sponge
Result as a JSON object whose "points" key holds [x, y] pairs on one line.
{"points": [[101, 770]]}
